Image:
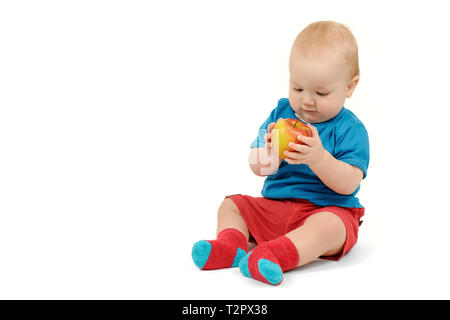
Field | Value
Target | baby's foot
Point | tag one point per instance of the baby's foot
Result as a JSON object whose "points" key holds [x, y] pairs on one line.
{"points": [[261, 264], [267, 261], [225, 252]]}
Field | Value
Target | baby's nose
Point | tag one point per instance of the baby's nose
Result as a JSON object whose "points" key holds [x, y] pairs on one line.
{"points": [[308, 101]]}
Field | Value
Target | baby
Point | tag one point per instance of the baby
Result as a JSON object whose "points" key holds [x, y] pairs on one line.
{"points": [[308, 209]]}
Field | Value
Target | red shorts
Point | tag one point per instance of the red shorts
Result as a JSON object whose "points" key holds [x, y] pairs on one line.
{"points": [[268, 219]]}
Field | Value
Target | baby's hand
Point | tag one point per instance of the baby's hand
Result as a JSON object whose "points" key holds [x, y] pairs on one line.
{"points": [[268, 137], [311, 152]]}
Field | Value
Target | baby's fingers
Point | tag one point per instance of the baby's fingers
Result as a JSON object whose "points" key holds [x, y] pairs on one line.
{"points": [[270, 127], [298, 147], [267, 137]]}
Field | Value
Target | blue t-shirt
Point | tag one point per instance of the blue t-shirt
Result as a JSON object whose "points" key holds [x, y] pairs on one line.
{"points": [[343, 136]]}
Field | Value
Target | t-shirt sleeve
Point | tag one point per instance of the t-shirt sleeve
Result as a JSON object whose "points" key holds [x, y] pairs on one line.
{"points": [[352, 146], [259, 141]]}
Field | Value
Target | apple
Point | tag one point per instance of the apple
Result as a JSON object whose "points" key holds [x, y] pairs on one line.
{"points": [[285, 131]]}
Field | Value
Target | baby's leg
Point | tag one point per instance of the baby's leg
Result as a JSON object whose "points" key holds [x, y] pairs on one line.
{"points": [[322, 234], [228, 216], [231, 243]]}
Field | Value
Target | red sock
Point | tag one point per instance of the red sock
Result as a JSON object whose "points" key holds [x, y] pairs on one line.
{"points": [[268, 261], [225, 252]]}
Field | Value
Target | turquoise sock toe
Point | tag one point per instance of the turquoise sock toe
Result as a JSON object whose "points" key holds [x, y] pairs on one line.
{"points": [[200, 252], [243, 265], [271, 271], [239, 254]]}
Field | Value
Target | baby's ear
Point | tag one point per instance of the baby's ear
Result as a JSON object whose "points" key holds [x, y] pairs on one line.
{"points": [[351, 86]]}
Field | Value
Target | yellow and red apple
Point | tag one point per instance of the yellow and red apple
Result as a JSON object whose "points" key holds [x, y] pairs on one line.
{"points": [[285, 131]]}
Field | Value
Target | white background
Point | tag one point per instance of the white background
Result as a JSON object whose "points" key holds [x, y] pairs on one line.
{"points": [[124, 123]]}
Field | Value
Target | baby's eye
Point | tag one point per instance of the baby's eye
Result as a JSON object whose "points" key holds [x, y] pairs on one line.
{"points": [[299, 90], [322, 94]]}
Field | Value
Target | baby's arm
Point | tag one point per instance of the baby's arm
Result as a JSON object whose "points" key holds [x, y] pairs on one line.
{"points": [[337, 175], [263, 161]]}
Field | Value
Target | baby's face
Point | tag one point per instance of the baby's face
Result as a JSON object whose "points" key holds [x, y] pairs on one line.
{"points": [[319, 85]]}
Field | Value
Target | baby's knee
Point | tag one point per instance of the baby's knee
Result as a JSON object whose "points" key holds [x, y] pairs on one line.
{"points": [[329, 225], [228, 205]]}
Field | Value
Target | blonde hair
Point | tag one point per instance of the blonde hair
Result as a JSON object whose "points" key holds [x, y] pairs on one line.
{"points": [[325, 35]]}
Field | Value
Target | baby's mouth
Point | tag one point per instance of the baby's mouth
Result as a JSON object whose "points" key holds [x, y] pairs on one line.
{"points": [[305, 110]]}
